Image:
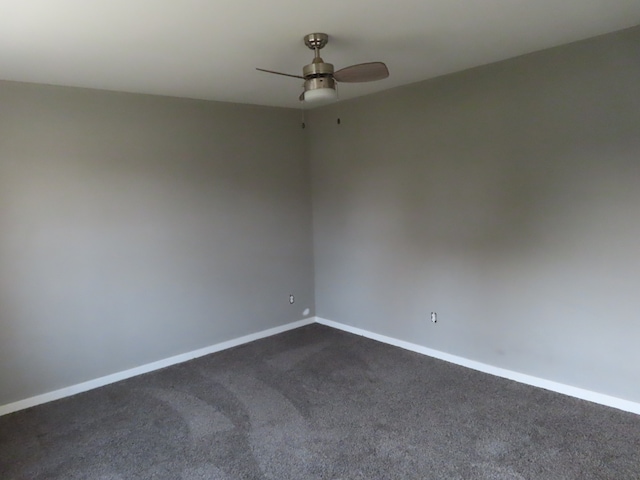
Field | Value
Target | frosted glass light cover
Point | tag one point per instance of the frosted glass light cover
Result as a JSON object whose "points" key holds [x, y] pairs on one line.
{"points": [[320, 95]]}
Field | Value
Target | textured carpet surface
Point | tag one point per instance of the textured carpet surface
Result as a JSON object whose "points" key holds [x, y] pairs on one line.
{"points": [[317, 403]]}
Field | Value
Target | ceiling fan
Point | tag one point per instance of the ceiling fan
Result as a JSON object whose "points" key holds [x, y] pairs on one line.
{"points": [[319, 77]]}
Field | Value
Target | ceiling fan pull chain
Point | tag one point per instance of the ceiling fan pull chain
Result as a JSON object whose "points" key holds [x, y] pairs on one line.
{"points": [[339, 107]]}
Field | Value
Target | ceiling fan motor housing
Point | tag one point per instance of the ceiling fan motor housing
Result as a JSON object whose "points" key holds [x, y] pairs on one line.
{"points": [[317, 68], [318, 74], [317, 83]]}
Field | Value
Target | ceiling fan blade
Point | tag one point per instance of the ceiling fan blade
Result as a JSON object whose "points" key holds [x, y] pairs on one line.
{"points": [[362, 72], [280, 73]]}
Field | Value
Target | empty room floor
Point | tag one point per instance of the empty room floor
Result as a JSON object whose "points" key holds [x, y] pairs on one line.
{"points": [[318, 403]]}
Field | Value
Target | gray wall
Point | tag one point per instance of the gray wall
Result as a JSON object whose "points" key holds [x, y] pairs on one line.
{"points": [[133, 228], [505, 198]]}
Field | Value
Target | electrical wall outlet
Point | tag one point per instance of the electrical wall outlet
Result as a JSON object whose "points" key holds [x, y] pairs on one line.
{"points": [[434, 317], [292, 299]]}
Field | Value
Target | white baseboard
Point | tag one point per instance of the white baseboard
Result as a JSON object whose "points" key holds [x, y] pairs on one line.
{"points": [[581, 393], [149, 367]]}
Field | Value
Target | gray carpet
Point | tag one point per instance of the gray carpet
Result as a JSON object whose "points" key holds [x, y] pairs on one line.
{"points": [[317, 403]]}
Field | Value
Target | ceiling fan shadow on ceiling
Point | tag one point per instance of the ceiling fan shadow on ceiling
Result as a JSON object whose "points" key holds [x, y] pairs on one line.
{"points": [[320, 79]]}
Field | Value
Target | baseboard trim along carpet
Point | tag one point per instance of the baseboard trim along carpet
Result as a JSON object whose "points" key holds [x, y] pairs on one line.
{"points": [[581, 393], [149, 367]]}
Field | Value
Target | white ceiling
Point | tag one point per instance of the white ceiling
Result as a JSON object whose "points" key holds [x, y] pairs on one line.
{"points": [[209, 48]]}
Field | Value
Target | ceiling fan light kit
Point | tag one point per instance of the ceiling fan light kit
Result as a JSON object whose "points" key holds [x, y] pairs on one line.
{"points": [[320, 90], [320, 79]]}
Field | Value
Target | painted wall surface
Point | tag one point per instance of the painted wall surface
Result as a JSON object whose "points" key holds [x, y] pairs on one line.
{"points": [[505, 198], [134, 228]]}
